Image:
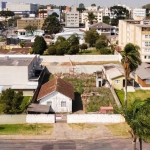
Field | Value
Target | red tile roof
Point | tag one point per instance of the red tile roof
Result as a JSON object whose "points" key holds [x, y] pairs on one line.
{"points": [[59, 85]]}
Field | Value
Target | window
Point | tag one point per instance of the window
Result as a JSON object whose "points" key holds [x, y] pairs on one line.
{"points": [[147, 81], [146, 43], [117, 81], [146, 36], [49, 103], [63, 104]]}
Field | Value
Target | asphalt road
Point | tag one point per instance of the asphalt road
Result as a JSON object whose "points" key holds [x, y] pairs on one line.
{"points": [[109, 144]]}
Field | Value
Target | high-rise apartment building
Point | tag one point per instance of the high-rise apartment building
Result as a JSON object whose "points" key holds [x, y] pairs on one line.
{"points": [[138, 33]]}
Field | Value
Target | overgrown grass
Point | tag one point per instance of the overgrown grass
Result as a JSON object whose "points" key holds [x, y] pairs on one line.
{"points": [[81, 126], [131, 96], [119, 129], [26, 129]]}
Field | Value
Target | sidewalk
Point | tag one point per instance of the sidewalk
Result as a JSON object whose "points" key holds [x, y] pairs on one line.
{"points": [[63, 131]]}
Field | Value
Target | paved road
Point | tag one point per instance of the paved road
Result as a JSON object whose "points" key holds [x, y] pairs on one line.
{"points": [[110, 144]]}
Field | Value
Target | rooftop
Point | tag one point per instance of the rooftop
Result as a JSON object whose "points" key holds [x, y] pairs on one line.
{"points": [[15, 61], [59, 85], [100, 25]]}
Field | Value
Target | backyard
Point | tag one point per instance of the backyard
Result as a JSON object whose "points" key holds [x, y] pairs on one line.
{"points": [[131, 96]]}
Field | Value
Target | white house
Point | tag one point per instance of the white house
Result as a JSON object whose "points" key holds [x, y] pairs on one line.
{"points": [[58, 94]]}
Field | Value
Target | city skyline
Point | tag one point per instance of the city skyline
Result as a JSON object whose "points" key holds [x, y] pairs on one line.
{"points": [[131, 3]]}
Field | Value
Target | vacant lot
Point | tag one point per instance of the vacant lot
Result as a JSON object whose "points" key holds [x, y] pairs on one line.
{"points": [[26, 129], [131, 96]]}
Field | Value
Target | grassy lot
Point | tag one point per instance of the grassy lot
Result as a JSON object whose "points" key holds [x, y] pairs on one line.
{"points": [[26, 129], [119, 129], [81, 126], [131, 96]]}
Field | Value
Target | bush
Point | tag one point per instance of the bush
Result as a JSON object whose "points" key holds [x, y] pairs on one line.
{"points": [[51, 50], [105, 51], [100, 44]]}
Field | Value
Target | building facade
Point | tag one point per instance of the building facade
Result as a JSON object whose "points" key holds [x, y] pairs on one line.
{"points": [[138, 14], [72, 18], [138, 33], [20, 72], [23, 22]]}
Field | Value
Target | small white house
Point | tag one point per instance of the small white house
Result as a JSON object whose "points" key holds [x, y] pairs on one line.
{"points": [[58, 94]]}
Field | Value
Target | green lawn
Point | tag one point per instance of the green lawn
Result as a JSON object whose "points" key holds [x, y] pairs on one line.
{"points": [[131, 96], [26, 129]]}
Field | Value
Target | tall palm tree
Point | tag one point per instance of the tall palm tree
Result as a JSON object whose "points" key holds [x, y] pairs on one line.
{"points": [[91, 17], [130, 61], [138, 118]]}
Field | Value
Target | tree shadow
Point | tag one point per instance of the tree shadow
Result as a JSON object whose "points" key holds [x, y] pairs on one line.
{"points": [[77, 102]]}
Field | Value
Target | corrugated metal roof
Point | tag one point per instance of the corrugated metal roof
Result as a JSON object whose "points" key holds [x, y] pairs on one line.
{"points": [[113, 73]]}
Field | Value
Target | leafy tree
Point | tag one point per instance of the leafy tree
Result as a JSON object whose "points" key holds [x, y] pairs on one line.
{"points": [[73, 39], [100, 44], [60, 39], [83, 47], [11, 101], [130, 61], [39, 45], [91, 37], [92, 17], [138, 118], [105, 51], [62, 48], [93, 4], [118, 12], [51, 50], [6, 14], [81, 7], [106, 19], [74, 49], [22, 44], [103, 37], [55, 14], [30, 28], [52, 25]]}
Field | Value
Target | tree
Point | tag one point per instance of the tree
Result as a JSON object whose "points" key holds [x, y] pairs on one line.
{"points": [[22, 44], [73, 49], [30, 28], [11, 101], [118, 12], [100, 44], [93, 4], [81, 7], [91, 37], [55, 14], [138, 118], [83, 47], [106, 19], [91, 17], [105, 51], [39, 45], [51, 50], [130, 61], [73, 39], [60, 39], [63, 48], [52, 25]]}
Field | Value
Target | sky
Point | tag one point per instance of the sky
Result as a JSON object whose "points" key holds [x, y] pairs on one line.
{"points": [[131, 3]]}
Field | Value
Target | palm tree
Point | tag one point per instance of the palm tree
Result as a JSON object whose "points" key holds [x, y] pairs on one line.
{"points": [[91, 17], [138, 118], [130, 61]]}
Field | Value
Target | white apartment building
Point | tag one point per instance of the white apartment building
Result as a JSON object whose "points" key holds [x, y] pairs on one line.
{"points": [[98, 14], [72, 18], [21, 7], [138, 33], [138, 13], [92, 8], [20, 72]]}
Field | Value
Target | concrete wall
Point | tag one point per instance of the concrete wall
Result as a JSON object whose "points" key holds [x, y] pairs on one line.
{"points": [[95, 118], [79, 58], [41, 118], [12, 119], [56, 98]]}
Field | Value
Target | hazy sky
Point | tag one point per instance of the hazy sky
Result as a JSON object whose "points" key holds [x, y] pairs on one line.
{"points": [[133, 3]]}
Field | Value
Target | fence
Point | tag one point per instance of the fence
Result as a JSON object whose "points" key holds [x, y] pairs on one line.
{"points": [[95, 118], [29, 118]]}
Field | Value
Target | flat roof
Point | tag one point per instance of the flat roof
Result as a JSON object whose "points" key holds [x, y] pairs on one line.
{"points": [[15, 61]]}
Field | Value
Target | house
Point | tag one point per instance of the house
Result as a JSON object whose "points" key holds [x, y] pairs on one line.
{"points": [[20, 72], [58, 94], [115, 76], [142, 76]]}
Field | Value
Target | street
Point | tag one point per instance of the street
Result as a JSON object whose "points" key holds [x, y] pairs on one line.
{"points": [[107, 144]]}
